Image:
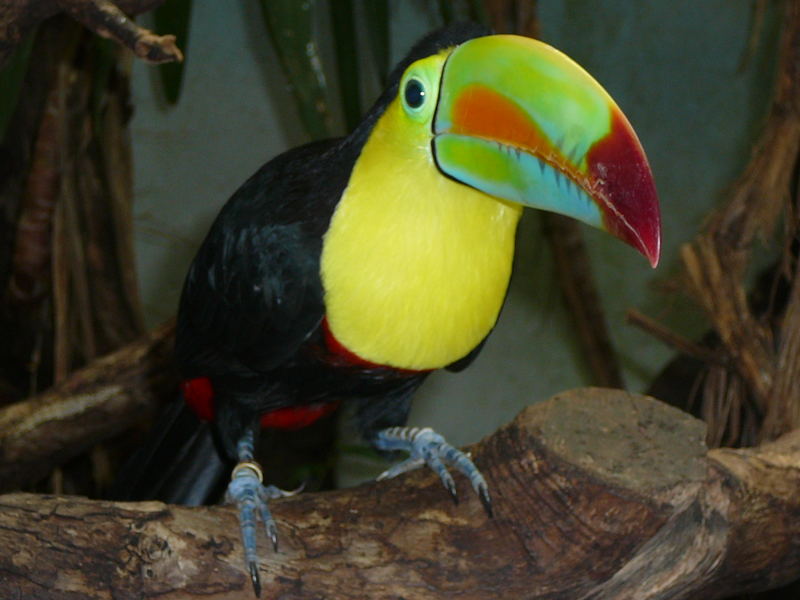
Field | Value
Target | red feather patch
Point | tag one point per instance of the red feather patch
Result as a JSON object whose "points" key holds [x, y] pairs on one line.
{"points": [[199, 395]]}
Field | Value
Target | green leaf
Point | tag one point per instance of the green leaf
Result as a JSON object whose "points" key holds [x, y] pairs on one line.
{"points": [[347, 67], [11, 78], [173, 17], [290, 25], [377, 17]]}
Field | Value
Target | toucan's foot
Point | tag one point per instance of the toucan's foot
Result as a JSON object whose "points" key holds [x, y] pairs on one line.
{"points": [[425, 446], [250, 495]]}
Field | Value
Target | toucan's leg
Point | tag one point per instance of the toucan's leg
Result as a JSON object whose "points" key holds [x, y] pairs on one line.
{"points": [[250, 495], [425, 446]]}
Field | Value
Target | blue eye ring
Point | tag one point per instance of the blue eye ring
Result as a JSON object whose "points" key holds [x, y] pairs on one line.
{"points": [[414, 93]]}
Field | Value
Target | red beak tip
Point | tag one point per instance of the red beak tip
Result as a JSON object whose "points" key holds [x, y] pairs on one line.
{"points": [[652, 251], [618, 161]]}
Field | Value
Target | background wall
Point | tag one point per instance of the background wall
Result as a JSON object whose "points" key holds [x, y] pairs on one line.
{"points": [[674, 68]]}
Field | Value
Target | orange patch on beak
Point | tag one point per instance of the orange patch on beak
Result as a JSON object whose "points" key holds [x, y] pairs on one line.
{"points": [[483, 113]]}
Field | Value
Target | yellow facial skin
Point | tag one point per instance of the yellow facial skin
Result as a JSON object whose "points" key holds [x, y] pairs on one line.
{"points": [[415, 266]]}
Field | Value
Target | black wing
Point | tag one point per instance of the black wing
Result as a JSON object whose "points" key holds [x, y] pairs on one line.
{"points": [[253, 293]]}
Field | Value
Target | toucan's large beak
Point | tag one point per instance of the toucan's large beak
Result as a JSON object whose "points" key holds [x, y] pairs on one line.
{"points": [[551, 139]]}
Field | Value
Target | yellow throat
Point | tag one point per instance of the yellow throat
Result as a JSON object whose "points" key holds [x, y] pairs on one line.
{"points": [[415, 266]]}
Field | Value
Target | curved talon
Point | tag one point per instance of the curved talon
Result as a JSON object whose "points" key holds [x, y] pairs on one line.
{"points": [[486, 500], [251, 497], [272, 532], [426, 446], [274, 491], [435, 463], [450, 485], [254, 577]]}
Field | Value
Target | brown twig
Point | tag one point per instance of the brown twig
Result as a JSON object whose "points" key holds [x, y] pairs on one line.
{"points": [[19, 17], [758, 11], [107, 20], [672, 339], [30, 264], [717, 260], [783, 403]]}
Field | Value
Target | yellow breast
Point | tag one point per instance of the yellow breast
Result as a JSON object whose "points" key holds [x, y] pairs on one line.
{"points": [[415, 266]]}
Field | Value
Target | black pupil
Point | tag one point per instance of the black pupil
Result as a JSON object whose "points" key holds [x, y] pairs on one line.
{"points": [[415, 93]]}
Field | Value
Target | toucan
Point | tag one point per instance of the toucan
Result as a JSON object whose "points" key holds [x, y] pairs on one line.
{"points": [[349, 269]]}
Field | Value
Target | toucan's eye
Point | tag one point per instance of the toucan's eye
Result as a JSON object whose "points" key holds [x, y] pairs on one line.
{"points": [[414, 93], [419, 88]]}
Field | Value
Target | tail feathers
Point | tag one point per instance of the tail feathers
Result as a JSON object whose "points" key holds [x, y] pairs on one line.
{"points": [[179, 463]]}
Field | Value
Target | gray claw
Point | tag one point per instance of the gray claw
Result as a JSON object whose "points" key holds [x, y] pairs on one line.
{"points": [[254, 577], [425, 445], [451, 487], [447, 481], [486, 500], [272, 532], [251, 497]]}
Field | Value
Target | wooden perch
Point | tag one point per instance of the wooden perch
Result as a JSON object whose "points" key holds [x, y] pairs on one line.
{"points": [[105, 18], [598, 494], [92, 405]]}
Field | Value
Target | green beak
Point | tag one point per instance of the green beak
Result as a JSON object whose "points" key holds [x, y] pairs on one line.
{"points": [[520, 121]]}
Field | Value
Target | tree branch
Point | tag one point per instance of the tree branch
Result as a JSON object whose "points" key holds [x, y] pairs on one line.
{"points": [[107, 19], [91, 405], [598, 494], [716, 263]]}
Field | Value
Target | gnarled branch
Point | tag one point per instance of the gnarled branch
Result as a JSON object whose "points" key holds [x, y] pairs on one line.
{"points": [[91, 405], [598, 494], [105, 18]]}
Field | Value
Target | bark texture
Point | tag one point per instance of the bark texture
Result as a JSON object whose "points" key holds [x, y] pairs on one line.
{"points": [[92, 405], [598, 494]]}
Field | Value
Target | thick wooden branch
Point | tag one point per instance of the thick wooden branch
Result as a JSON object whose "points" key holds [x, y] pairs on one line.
{"points": [[92, 405], [598, 494]]}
